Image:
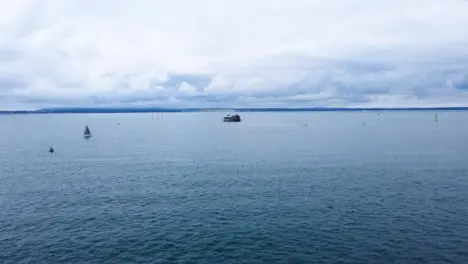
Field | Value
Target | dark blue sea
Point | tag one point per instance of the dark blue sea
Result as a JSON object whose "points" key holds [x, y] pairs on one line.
{"points": [[311, 187]]}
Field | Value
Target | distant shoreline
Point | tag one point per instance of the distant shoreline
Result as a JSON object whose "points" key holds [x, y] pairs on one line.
{"points": [[185, 110]]}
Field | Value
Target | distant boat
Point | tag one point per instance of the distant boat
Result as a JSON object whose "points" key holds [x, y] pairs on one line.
{"points": [[87, 132], [232, 118], [436, 118], [51, 150]]}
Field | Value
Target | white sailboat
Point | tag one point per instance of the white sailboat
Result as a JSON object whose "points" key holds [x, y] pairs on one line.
{"points": [[87, 132]]}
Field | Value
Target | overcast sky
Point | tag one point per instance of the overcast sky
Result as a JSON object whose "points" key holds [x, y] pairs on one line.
{"points": [[233, 53]]}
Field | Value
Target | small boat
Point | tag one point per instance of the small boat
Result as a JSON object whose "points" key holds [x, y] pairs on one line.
{"points": [[87, 132], [51, 150], [436, 118], [232, 118]]}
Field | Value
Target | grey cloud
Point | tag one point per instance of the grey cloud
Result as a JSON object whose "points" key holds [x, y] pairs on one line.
{"points": [[359, 86], [12, 82], [340, 81], [462, 83], [175, 80], [9, 54]]}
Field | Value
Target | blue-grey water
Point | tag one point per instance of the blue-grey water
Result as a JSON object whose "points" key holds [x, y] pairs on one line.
{"points": [[349, 187]]}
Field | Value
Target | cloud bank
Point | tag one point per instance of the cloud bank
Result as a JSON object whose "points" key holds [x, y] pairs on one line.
{"points": [[233, 53]]}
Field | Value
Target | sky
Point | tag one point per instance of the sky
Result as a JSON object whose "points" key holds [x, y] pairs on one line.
{"points": [[233, 53]]}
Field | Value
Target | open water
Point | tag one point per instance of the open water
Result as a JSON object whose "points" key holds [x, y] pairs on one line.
{"points": [[350, 187]]}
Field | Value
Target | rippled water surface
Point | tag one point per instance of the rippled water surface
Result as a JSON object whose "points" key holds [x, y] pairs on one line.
{"points": [[187, 188]]}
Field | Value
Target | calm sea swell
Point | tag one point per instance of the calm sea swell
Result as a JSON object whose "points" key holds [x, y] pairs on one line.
{"points": [[191, 189]]}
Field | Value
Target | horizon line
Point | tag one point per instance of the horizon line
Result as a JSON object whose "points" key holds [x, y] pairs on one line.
{"points": [[91, 110]]}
